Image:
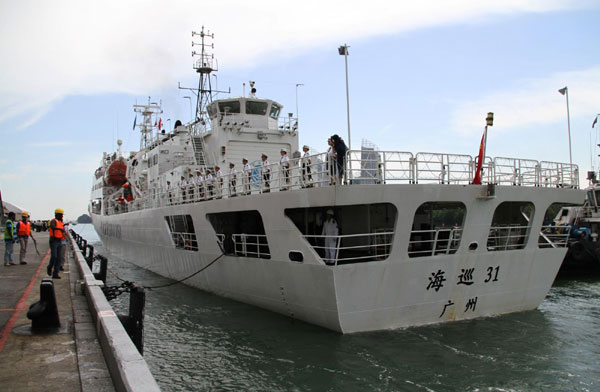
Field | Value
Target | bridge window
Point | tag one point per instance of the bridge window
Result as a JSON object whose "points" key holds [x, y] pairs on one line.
{"points": [[436, 229], [256, 107], [510, 226], [229, 107], [275, 109]]}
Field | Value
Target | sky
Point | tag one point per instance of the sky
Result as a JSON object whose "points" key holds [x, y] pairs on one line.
{"points": [[422, 77]]}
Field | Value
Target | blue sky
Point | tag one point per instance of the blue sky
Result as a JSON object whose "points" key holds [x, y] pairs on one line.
{"points": [[422, 78]]}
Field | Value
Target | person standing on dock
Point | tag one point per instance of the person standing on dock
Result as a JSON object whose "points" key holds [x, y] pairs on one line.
{"points": [[330, 232], [10, 237], [57, 233], [23, 233]]}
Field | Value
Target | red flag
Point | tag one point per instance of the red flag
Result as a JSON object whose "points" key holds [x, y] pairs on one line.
{"points": [[159, 124], [480, 158]]}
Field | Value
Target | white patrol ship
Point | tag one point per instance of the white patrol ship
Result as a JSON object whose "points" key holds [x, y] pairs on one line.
{"points": [[416, 242]]}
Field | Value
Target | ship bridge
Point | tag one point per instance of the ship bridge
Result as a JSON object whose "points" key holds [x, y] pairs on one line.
{"points": [[255, 113], [245, 127]]}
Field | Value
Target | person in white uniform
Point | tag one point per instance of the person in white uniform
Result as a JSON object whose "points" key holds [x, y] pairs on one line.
{"points": [[209, 184], [219, 178], [191, 188], [232, 179], [306, 172], [330, 231], [247, 176], [200, 184], [285, 169], [266, 174]]}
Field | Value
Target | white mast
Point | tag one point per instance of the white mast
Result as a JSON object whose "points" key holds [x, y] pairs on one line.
{"points": [[152, 109]]}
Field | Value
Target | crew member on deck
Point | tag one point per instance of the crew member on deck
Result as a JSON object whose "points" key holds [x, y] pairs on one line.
{"points": [[219, 177], [330, 231], [200, 184], [266, 174], [57, 233], [191, 187], [232, 179], [285, 169], [306, 175], [182, 188], [209, 184], [247, 176]]}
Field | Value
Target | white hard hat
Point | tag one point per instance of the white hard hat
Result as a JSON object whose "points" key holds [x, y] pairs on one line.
{"points": [[284, 150], [330, 212]]}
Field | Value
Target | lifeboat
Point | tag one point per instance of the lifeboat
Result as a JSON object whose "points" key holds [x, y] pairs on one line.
{"points": [[116, 173]]}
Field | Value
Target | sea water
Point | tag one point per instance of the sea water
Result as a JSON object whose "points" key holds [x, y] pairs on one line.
{"points": [[195, 341]]}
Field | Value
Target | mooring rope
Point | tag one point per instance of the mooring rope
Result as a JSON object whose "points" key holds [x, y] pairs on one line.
{"points": [[175, 282]]}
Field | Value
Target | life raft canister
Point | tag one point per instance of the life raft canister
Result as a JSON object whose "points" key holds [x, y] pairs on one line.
{"points": [[116, 173]]}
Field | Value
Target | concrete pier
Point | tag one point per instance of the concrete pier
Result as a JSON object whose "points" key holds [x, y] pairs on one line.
{"points": [[71, 359]]}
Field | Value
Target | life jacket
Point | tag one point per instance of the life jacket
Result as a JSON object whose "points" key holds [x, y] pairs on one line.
{"points": [[55, 233], [23, 229], [9, 230]]}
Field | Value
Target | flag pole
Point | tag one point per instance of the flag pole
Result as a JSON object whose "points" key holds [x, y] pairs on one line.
{"points": [[489, 121]]}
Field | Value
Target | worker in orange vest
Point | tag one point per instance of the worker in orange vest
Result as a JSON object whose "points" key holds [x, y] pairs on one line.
{"points": [[57, 233], [23, 234]]}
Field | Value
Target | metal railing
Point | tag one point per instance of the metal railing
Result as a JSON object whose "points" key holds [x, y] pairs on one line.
{"points": [[507, 237], [251, 245], [434, 242], [361, 167], [246, 245], [186, 241], [554, 236], [352, 248]]}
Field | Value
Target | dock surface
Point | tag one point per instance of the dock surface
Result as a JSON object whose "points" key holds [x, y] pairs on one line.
{"points": [[70, 360]]}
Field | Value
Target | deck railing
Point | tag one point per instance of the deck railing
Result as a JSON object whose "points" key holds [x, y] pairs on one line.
{"points": [[434, 242], [251, 245], [507, 237], [554, 237], [352, 248], [360, 167]]}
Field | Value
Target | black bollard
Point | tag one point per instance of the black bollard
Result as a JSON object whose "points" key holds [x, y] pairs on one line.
{"points": [[44, 314], [90, 254], [134, 322], [103, 269]]}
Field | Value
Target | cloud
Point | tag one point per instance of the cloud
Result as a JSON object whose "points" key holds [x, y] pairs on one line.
{"points": [[63, 47], [532, 102]]}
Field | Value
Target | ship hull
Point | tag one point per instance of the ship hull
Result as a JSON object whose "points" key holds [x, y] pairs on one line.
{"points": [[399, 291]]}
